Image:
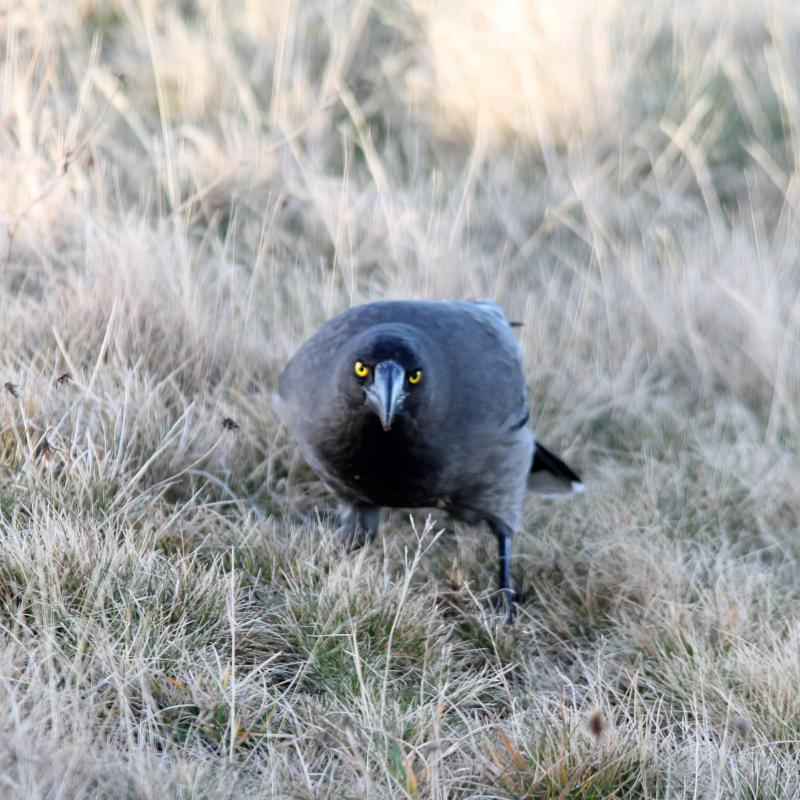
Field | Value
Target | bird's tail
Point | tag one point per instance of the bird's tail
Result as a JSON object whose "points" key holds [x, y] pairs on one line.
{"points": [[551, 476]]}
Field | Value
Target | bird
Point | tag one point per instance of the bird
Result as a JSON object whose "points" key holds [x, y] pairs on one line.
{"points": [[421, 404]]}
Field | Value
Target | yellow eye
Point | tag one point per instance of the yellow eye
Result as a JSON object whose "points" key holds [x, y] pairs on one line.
{"points": [[361, 369], [415, 377]]}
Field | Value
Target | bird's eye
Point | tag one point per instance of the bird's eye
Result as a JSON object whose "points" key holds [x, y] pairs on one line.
{"points": [[361, 369], [415, 377]]}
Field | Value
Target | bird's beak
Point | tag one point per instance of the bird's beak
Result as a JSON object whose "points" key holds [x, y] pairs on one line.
{"points": [[386, 394]]}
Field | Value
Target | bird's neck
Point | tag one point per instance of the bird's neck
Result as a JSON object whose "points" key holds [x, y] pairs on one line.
{"points": [[391, 468]]}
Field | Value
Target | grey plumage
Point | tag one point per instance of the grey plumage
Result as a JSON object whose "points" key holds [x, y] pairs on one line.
{"points": [[415, 404]]}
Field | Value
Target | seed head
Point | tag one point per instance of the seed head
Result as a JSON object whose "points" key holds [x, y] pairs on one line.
{"points": [[596, 723], [44, 449]]}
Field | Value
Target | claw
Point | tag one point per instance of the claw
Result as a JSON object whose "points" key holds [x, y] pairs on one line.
{"points": [[505, 601], [354, 540]]}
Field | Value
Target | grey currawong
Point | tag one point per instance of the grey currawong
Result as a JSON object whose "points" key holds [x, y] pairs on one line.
{"points": [[415, 404]]}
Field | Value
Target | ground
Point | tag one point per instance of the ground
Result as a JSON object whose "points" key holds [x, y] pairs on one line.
{"points": [[189, 189]]}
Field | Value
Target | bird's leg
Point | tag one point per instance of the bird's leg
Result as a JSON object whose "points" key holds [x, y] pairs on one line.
{"points": [[360, 524], [506, 596]]}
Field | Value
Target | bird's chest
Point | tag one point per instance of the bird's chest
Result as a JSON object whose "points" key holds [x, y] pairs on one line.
{"points": [[387, 468]]}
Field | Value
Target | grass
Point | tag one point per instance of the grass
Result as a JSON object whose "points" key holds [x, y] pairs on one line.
{"points": [[189, 190]]}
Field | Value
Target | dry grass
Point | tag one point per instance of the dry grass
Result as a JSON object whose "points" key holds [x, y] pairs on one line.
{"points": [[189, 189]]}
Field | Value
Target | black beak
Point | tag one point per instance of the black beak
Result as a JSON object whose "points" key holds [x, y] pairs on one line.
{"points": [[386, 394]]}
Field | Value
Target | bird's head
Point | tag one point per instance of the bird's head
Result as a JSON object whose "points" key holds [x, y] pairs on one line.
{"points": [[386, 371]]}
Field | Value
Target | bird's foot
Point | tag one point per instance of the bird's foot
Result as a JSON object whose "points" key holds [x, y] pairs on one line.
{"points": [[505, 602], [354, 539]]}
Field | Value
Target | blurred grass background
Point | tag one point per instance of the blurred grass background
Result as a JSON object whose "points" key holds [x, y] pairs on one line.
{"points": [[189, 189]]}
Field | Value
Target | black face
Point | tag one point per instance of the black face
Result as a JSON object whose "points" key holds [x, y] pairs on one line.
{"points": [[385, 374]]}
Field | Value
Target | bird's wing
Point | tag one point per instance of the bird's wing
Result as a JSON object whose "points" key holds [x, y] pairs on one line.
{"points": [[486, 366], [491, 309]]}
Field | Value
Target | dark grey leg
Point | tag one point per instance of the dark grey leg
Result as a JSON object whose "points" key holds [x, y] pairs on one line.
{"points": [[360, 523], [506, 596]]}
